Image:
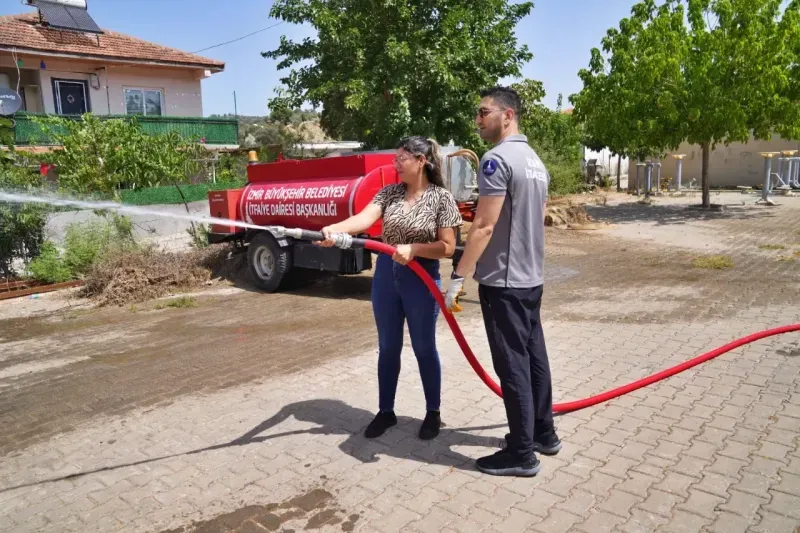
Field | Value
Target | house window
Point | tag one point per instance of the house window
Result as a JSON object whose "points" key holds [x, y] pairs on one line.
{"points": [[71, 97], [148, 102]]}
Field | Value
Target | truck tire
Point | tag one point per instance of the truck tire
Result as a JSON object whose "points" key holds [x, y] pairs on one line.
{"points": [[269, 263]]}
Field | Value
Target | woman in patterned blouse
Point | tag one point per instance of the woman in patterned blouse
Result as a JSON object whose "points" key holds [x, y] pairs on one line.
{"points": [[419, 219]]}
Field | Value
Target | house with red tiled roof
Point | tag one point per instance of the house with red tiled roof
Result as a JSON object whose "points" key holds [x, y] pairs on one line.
{"points": [[62, 67]]}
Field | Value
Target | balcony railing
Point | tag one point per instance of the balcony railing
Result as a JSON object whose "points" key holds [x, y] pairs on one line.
{"points": [[207, 130]]}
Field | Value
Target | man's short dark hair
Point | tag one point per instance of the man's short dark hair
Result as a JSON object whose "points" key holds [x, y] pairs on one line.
{"points": [[505, 97]]}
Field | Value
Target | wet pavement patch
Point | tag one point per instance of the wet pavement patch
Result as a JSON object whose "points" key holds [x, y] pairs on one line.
{"points": [[313, 509], [554, 273]]}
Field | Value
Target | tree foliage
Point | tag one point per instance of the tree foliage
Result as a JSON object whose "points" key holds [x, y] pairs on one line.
{"points": [[21, 225], [554, 135], [382, 70], [103, 156], [702, 71]]}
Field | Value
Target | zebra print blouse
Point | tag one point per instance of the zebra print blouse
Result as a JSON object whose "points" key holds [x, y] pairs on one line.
{"points": [[435, 209]]}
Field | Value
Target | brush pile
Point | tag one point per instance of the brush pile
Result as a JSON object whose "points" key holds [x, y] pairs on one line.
{"points": [[146, 273], [570, 213]]}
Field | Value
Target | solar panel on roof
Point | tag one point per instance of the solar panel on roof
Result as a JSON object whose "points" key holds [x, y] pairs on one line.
{"points": [[67, 17], [82, 19]]}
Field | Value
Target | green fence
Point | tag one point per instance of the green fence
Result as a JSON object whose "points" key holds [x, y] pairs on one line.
{"points": [[209, 130]]}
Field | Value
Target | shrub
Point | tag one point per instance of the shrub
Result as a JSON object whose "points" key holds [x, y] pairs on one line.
{"points": [[85, 244], [49, 266], [21, 225], [565, 177], [100, 156]]}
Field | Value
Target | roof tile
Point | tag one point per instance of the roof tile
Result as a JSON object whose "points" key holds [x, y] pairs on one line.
{"points": [[26, 33]]}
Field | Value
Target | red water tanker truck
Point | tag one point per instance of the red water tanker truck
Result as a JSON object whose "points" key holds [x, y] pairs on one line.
{"points": [[311, 194]]}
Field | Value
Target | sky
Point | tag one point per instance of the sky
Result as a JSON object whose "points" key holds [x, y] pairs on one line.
{"points": [[559, 33]]}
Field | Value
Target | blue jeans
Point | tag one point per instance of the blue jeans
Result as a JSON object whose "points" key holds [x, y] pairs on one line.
{"points": [[398, 296]]}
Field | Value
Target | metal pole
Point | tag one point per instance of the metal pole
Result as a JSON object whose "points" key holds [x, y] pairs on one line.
{"points": [[658, 180], [796, 179], [786, 179], [235, 108], [678, 170], [783, 162], [765, 188], [648, 180]]}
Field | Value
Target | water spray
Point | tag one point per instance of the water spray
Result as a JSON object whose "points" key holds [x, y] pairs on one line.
{"points": [[58, 201]]}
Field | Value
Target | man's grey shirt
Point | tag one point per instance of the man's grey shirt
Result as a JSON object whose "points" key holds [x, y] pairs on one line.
{"points": [[514, 257]]}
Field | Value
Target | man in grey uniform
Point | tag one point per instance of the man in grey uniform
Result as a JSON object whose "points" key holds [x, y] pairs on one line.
{"points": [[505, 249]]}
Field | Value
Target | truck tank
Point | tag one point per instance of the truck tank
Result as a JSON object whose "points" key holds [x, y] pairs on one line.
{"points": [[315, 193]]}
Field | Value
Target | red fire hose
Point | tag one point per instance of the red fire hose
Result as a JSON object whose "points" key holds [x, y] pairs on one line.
{"points": [[577, 404]]}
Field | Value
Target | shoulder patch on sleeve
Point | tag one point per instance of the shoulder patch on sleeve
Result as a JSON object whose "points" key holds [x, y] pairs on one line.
{"points": [[489, 167]]}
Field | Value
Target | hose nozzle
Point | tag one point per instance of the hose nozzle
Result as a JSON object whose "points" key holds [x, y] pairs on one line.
{"points": [[276, 231], [341, 240]]}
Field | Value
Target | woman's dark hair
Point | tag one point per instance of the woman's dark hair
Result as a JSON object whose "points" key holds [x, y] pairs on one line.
{"points": [[419, 145]]}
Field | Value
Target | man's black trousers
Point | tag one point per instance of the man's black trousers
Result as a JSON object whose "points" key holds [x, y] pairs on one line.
{"points": [[516, 339]]}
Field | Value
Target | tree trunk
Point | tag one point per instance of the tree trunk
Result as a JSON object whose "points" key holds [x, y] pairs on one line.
{"points": [[619, 167], [706, 185]]}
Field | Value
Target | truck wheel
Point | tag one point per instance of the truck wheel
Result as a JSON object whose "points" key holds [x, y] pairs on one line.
{"points": [[269, 263]]}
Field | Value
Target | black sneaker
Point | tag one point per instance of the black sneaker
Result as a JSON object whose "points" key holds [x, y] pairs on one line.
{"points": [[503, 463], [546, 444], [430, 426], [379, 425]]}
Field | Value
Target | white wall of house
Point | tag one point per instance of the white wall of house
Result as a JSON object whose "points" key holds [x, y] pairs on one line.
{"points": [[738, 164], [179, 88], [609, 162]]}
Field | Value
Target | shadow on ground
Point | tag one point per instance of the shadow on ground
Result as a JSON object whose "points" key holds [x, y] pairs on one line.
{"points": [[662, 215], [334, 417]]}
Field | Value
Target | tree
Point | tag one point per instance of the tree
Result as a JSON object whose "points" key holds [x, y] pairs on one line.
{"points": [[732, 71], [741, 74], [629, 102], [101, 156], [383, 70]]}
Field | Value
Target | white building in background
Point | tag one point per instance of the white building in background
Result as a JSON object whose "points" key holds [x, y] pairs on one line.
{"points": [[737, 164], [607, 162]]}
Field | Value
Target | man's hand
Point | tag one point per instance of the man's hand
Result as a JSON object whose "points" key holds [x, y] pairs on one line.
{"points": [[454, 290]]}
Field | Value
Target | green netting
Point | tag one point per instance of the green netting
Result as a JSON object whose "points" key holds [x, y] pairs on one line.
{"points": [[170, 195], [208, 130]]}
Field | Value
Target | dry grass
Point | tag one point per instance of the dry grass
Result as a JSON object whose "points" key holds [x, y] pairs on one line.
{"points": [[146, 274], [713, 262], [182, 302]]}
